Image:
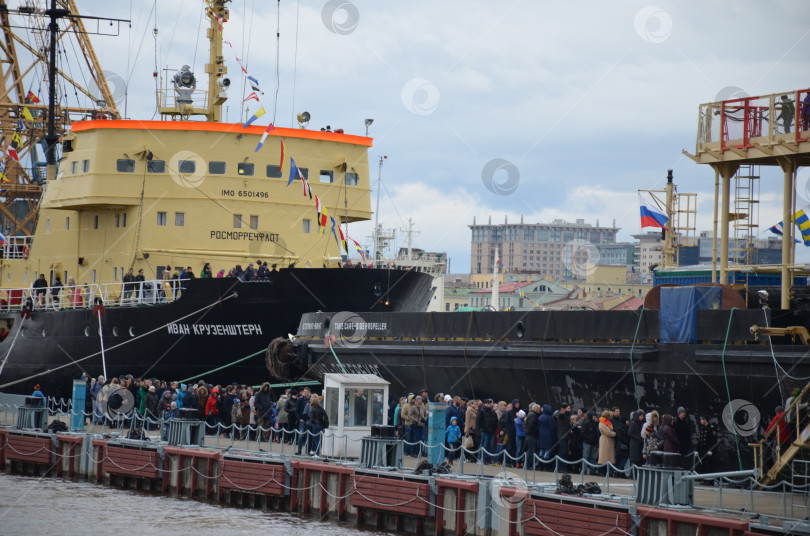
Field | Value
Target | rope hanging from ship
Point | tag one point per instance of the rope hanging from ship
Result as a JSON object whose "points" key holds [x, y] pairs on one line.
{"points": [[96, 354], [632, 364], [728, 390], [177, 341], [778, 367]]}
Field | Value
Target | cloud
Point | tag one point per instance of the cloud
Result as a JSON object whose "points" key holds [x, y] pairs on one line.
{"points": [[585, 107]]}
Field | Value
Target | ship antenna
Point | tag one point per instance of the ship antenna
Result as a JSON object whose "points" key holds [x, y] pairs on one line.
{"points": [[376, 235]]}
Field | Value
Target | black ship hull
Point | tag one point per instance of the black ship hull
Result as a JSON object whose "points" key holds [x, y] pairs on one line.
{"points": [[214, 323], [591, 359]]}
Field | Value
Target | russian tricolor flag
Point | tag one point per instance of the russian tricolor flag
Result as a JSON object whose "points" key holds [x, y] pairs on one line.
{"points": [[651, 215]]}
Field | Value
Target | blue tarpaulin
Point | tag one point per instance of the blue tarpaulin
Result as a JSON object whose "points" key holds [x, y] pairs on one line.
{"points": [[679, 307]]}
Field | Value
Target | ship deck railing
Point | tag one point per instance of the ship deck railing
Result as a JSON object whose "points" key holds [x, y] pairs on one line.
{"points": [[16, 247], [773, 458], [752, 121], [83, 296]]}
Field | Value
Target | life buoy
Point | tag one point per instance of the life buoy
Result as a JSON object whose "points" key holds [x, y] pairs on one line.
{"points": [[26, 251]]}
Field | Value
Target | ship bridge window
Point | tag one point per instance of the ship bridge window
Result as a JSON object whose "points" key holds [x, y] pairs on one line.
{"points": [[327, 175], [179, 219], [216, 168], [187, 166], [307, 226], [237, 221], [246, 168], [254, 222], [85, 166], [156, 166], [161, 219], [125, 165], [74, 167], [274, 172], [352, 179]]}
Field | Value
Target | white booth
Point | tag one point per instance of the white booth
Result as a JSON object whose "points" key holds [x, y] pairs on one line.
{"points": [[353, 403]]}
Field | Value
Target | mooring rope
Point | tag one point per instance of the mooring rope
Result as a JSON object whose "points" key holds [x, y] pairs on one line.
{"points": [[632, 365], [728, 390], [150, 332]]}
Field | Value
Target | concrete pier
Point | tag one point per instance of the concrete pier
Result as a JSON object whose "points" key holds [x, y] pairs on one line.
{"points": [[492, 502]]}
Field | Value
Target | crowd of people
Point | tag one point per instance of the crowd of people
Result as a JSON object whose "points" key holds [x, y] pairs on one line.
{"points": [[237, 410], [498, 433], [505, 433]]}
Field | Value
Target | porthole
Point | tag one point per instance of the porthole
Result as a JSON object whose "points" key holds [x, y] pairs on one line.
{"points": [[132, 331], [519, 330], [44, 332], [378, 289], [87, 331], [115, 331]]}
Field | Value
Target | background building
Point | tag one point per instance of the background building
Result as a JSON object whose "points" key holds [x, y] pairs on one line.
{"points": [[555, 250]]}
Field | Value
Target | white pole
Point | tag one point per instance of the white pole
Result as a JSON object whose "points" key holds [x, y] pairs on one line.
{"points": [[377, 212], [101, 338]]}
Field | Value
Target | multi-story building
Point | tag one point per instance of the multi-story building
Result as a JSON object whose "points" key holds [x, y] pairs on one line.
{"points": [[766, 250], [649, 253], [558, 250], [519, 296], [620, 254]]}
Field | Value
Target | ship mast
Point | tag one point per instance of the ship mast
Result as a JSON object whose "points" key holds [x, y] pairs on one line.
{"points": [[184, 101], [669, 250], [377, 233], [24, 176]]}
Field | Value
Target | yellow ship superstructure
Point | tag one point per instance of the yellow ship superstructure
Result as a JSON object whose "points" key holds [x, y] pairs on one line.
{"points": [[151, 194]]}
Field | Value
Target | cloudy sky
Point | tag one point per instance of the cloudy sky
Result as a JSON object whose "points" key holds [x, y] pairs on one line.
{"points": [[495, 109]]}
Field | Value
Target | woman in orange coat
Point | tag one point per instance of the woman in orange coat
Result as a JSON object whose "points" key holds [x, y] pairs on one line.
{"points": [[607, 439]]}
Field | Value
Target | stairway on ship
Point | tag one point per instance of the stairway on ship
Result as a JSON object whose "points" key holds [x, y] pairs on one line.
{"points": [[790, 459]]}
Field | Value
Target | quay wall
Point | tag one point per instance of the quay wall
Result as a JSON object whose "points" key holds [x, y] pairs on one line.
{"points": [[384, 499]]}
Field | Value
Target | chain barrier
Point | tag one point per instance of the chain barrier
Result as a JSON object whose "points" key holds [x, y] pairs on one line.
{"points": [[255, 435]]}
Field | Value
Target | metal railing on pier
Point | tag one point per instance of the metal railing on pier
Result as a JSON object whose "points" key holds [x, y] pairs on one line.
{"points": [[781, 502]]}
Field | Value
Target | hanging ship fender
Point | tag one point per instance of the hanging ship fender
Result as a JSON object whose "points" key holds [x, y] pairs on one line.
{"points": [[25, 312], [98, 308], [286, 361]]}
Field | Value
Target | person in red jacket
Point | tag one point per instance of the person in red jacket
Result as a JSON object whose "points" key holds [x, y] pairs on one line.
{"points": [[782, 434], [211, 412]]}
